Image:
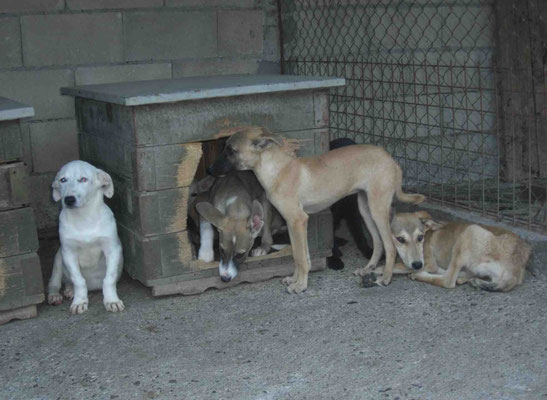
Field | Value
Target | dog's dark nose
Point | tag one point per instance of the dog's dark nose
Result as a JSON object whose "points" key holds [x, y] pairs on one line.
{"points": [[417, 265], [70, 200], [209, 170], [225, 278]]}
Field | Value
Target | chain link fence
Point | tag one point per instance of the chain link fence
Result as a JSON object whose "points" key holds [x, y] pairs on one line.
{"points": [[454, 90]]}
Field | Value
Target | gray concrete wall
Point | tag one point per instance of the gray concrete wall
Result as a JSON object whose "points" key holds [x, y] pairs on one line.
{"points": [[47, 44]]}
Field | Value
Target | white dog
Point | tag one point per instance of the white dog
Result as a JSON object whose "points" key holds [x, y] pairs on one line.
{"points": [[90, 256]]}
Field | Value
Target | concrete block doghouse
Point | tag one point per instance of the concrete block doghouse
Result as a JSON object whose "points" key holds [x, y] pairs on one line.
{"points": [[155, 137], [21, 286]]}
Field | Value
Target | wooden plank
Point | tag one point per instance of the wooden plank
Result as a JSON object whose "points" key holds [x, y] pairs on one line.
{"points": [[18, 313], [11, 144], [149, 168], [20, 281], [14, 190], [155, 257], [150, 213], [17, 232], [196, 286]]}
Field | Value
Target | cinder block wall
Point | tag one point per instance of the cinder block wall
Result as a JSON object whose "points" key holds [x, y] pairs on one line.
{"points": [[47, 44]]}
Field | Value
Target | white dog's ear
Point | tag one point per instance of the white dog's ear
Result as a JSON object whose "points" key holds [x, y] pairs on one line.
{"points": [[106, 183], [56, 193], [265, 142]]}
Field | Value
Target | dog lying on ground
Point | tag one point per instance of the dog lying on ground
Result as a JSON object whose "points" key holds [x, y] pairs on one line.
{"points": [[446, 254], [239, 209], [301, 186], [90, 257]]}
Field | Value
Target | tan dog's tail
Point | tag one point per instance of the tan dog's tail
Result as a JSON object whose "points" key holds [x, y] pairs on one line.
{"points": [[409, 198], [402, 196]]}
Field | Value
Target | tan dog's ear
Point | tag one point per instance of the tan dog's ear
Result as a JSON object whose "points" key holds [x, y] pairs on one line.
{"points": [[423, 215], [433, 225], [231, 131], [56, 194], [256, 220], [106, 183], [211, 214], [265, 142]]}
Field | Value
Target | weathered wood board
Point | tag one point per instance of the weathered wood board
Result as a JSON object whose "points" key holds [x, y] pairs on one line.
{"points": [[148, 168], [17, 232], [250, 272], [18, 313], [11, 144], [181, 122], [150, 213], [14, 190], [20, 281]]}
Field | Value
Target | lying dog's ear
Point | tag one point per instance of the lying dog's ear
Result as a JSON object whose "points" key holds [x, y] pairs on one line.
{"points": [[211, 214], [265, 142], [106, 183], [432, 225], [423, 215], [56, 193], [256, 220]]}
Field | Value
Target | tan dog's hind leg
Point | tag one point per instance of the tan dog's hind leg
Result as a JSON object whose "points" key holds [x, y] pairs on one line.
{"points": [[378, 247], [379, 209], [298, 233]]}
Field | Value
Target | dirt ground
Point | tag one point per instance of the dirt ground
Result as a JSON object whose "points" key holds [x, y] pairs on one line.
{"points": [[254, 341]]}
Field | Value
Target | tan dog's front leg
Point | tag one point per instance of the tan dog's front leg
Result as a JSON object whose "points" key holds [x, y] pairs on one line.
{"points": [[298, 233], [448, 279]]}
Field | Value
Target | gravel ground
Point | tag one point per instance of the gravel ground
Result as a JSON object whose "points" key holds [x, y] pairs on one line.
{"points": [[254, 341]]}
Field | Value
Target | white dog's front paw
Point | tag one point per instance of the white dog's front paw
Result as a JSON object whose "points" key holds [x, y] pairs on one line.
{"points": [[259, 251], [54, 299], [78, 307], [207, 255], [114, 306]]}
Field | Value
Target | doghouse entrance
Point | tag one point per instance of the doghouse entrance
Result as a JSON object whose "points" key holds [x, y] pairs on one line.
{"points": [[211, 149]]}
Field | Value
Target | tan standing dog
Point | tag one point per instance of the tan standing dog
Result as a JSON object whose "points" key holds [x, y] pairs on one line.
{"points": [[301, 186], [490, 258]]}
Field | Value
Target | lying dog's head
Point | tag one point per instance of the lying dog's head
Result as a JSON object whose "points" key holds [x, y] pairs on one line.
{"points": [[236, 236], [78, 182], [408, 233], [243, 149]]}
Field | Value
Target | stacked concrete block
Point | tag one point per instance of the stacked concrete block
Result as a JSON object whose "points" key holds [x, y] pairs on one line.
{"points": [[148, 136], [21, 286]]}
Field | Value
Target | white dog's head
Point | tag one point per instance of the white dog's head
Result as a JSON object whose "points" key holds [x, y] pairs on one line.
{"points": [[78, 182]]}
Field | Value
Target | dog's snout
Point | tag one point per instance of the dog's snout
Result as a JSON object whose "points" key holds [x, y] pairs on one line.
{"points": [[417, 265], [225, 278], [210, 170], [70, 200]]}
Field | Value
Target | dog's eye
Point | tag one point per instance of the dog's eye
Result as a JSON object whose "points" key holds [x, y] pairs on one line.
{"points": [[82, 179], [401, 239], [420, 238], [62, 180]]}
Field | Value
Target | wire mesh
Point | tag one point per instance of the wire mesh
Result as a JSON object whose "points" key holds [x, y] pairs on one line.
{"points": [[436, 84]]}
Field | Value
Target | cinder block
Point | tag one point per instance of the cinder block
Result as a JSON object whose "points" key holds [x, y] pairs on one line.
{"points": [[41, 90], [53, 144], [240, 32], [46, 211], [109, 4], [17, 232], [11, 147], [162, 35], [215, 66], [72, 39], [210, 3], [271, 44], [122, 73], [10, 43], [7, 6]]}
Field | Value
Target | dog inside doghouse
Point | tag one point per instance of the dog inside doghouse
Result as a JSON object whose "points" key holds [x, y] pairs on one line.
{"points": [[230, 220]]}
